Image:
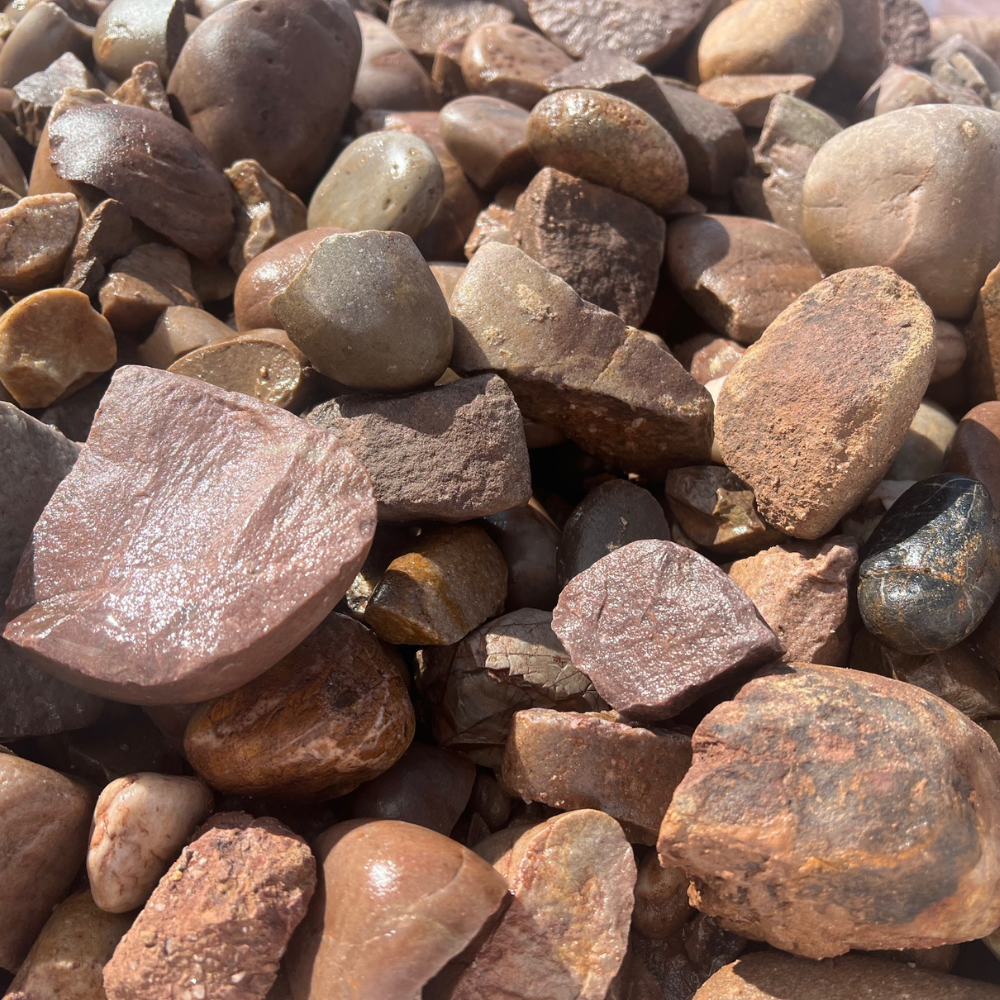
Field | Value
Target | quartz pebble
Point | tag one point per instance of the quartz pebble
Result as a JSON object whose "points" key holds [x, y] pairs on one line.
{"points": [[709, 357], [750, 97]]}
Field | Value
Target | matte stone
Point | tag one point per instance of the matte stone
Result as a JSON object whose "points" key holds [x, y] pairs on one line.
{"points": [[812, 440], [423, 25], [210, 620], [446, 72], [35, 95], [661, 903], [221, 917], [931, 569], [618, 395], [44, 818], [975, 448], [130, 32], [655, 625], [450, 453], [921, 454], [488, 137], [860, 205], [36, 235], [178, 331], [961, 63], [750, 97], [609, 516], [608, 141], [950, 348], [607, 246], [144, 89], [102, 237], [270, 81], [983, 335], [708, 357], [906, 32], [332, 714], [161, 174], [899, 87], [983, 31], [44, 33], [389, 76], [738, 274], [893, 789], [395, 902], [571, 761], [529, 540]]}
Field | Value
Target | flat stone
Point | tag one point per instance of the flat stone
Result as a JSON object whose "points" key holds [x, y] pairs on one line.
{"points": [[921, 454], [709, 357], [906, 32], [744, 818], [931, 569], [855, 212], [270, 82], [339, 715], [193, 441], [38, 363], [155, 167], [36, 235], [487, 135], [42, 35], [35, 95], [423, 25], [178, 331], [194, 930], [389, 76], [830, 432], [571, 761], [608, 141], [738, 274], [44, 818], [450, 453], [383, 180], [750, 97], [144, 89], [395, 902], [606, 245], [655, 625], [950, 348], [436, 593], [802, 591], [975, 448], [474, 688], [102, 237], [617, 394], [129, 32], [661, 903], [141, 822]]}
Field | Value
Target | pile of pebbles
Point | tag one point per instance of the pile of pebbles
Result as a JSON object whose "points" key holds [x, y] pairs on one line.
{"points": [[499, 500]]}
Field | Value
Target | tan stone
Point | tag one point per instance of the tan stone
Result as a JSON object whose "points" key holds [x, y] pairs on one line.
{"points": [[750, 97], [983, 336], [35, 95], [144, 89], [495, 223], [901, 87], [423, 25], [178, 331], [36, 236], [446, 73], [661, 899]]}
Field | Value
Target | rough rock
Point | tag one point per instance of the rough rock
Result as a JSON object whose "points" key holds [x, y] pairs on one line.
{"points": [[144, 89], [661, 899], [750, 97], [906, 32], [35, 95], [423, 25], [102, 237]]}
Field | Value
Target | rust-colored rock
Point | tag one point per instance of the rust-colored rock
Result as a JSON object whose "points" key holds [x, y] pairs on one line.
{"points": [[983, 335], [828, 809], [36, 236], [178, 331], [975, 449], [708, 357], [750, 97]]}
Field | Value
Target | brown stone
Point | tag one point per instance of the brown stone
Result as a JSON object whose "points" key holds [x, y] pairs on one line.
{"points": [[129, 32], [494, 224], [709, 357], [921, 455], [178, 331], [395, 902], [161, 174], [607, 246], [44, 817], [42, 35], [975, 448], [447, 274], [738, 274], [813, 440], [389, 76], [861, 56], [655, 625], [332, 714], [474, 688], [529, 540], [221, 917], [801, 591], [487, 136], [571, 761], [423, 25], [750, 97], [446, 73], [449, 582], [103, 236], [950, 349], [906, 32], [906, 837], [983, 31], [960, 63], [39, 363], [566, 930], [270, 81], [899, 87], [618, 395], [661, 903], [144, 89], [192, 441], [614, 73], [608, 141], [36, 235], [140, 287], [35, 95], [983, 336]]}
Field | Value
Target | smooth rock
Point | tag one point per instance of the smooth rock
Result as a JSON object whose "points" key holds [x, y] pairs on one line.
{"points": [[708, 357], [983, 337], [655, 625], [921, 454], [529, 540], [661, 903], [200, 637], [130, 32], [975, 448], [750, 97], [899, 88], [178, 331], [906, 32], [35, 95], [102, 237], [423, 25], [831, 431], [488, 137], [44, 33], [950, 348], [388, 75], [144, 89], [861, 56]]}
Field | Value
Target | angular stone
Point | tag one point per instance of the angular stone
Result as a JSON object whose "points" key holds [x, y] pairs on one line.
{"points": [[750, 97], [811, 439], [133, 31], [423, 25], [608, 141], [473, 689], [144, 89], [825, 764], [488, 137], [738, 274], [655, 625], [708, 357], [446, 73], [921, 454], [975, 448], [178, 331], [103, 236], [607, 246], [801, 591], [42, 35], [617, 395], [35, 95], [899, 87], [906, 32], [44, 817], [161, 174], [661, 903], [571, 761], [494, 224], [200, 636], [222, 915], [448, 583], [141, 822], [931, 569], [389, 76], [36, 235], [270, 82]]}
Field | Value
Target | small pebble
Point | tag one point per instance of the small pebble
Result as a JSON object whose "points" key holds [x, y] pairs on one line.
{"points": [[661, 899], [708, 357], [529, 541]]}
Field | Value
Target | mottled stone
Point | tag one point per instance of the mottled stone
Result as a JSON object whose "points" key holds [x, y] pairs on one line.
{"points": [[129, 32], [389, 76], [931, 569], [908, 788], [708, 357], [102, 237], [830, 431], [35, 95], [168, 450], [488, 137], [144, 88], [661, 899], [221, 917], [141, 822], [178, 331], [423, 25], [36, 235], [655, 626], [529, 540], [975, 448], [921, 454], [42, 35], [750, 97], [906, 32]]}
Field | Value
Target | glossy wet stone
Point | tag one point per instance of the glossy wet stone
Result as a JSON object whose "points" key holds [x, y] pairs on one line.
{"points": [[423, 25], [203, 649], [975, 448], [389, 76], [744, 817], [133, 31], [103, 236], [931, 569], [750, 97], [178, 331], [655, 625], [487, 136]]}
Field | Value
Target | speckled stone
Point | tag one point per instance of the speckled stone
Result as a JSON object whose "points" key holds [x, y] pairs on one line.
{"points": [[931, 569], [906, 32]]}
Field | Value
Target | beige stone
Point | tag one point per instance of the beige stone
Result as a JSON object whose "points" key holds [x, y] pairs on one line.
{"points": [[179, 330], [921, 455]]}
